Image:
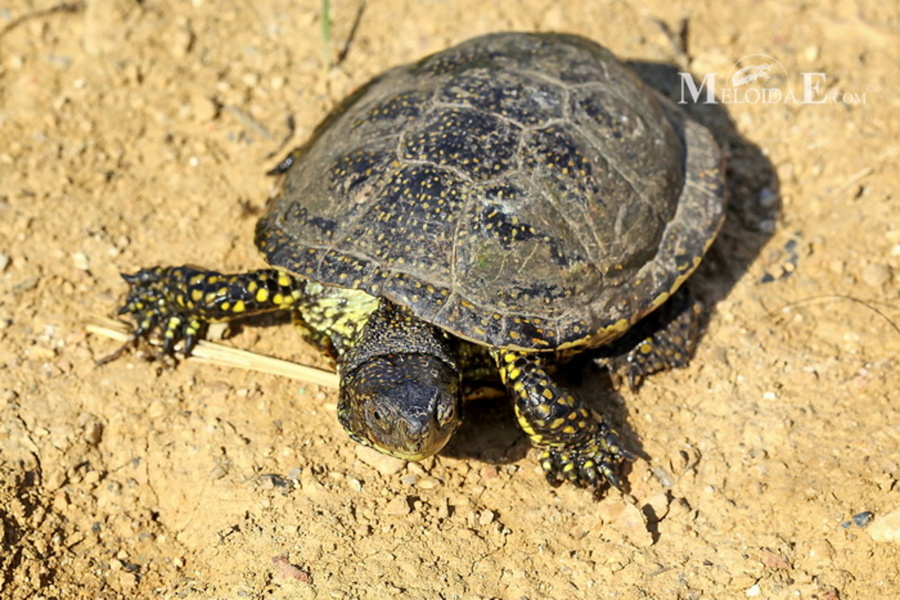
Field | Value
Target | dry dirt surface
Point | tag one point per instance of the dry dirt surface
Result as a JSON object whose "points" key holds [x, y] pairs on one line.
{"points": [[138, 133]]}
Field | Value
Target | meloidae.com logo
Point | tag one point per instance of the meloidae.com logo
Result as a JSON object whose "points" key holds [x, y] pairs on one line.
{"points": [[761, 79]]}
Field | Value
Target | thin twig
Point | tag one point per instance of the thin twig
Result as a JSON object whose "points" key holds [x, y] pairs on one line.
{"points": [[222, 355], [65, 7], [851, 181]]}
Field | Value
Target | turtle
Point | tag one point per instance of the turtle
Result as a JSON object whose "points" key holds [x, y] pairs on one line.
{"points": [[506, 204]]}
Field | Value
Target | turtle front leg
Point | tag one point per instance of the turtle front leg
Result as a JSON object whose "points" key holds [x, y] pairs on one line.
{"points": [[182, 301], [577, 444]]}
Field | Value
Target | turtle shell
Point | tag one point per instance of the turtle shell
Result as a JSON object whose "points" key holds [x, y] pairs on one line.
{"points": [[518, 190]]}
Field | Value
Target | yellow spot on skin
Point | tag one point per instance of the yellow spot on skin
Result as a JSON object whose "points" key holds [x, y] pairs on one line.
{"points": [[239, 307], [277, 299], [526, 427], [196, 295], [226, 305], [547, 394], [284, 280], [262, 295], [252, 286]]}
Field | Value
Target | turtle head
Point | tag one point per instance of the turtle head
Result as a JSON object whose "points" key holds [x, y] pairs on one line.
{"points": [[405, 405]]}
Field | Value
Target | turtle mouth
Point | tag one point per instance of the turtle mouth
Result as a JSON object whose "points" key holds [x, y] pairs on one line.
{"points": [[404, 446], [401, 454]]}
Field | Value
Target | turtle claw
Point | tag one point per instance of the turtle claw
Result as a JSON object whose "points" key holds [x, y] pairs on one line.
{"points": [[590, 464], [149, 305]]}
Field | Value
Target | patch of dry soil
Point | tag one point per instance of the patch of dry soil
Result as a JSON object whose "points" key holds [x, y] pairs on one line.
{"points": [[137, 133]]}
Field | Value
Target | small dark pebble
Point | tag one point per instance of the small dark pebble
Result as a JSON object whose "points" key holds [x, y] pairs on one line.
{"points": [[787, 267], [276, 481], [860, 520], [131, 567], [863, 518]]}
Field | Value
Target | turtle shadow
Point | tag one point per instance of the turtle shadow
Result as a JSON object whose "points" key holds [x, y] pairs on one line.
{"points": [[754, 207], [489, 432]]}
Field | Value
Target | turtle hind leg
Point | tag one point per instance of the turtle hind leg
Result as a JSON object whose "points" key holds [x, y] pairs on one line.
{"points": [[577, 445], [664, 339], [181, 301]]}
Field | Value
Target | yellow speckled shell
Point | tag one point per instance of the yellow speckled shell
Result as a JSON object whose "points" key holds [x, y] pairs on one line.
{"points": [[518, 190]]}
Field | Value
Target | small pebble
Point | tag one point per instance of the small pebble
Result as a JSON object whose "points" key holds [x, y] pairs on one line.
{"points": [[632, 524], [204, 108], [489, 472], [443, 509], [863, 518], [93, 432], [837, 266], [876, 275], [886, 528], [471, 519], [658, 505], [397, 507], [774, 561], [753, 591], [289, 571], [428, 483], [384, 464], [860, 520], [81, 261]]}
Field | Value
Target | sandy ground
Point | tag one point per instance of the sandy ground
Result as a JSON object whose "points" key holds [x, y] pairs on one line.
{"points": [[138, 133]]}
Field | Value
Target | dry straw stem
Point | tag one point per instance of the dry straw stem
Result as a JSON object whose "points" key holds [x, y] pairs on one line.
{"points": [[219, 354]]}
